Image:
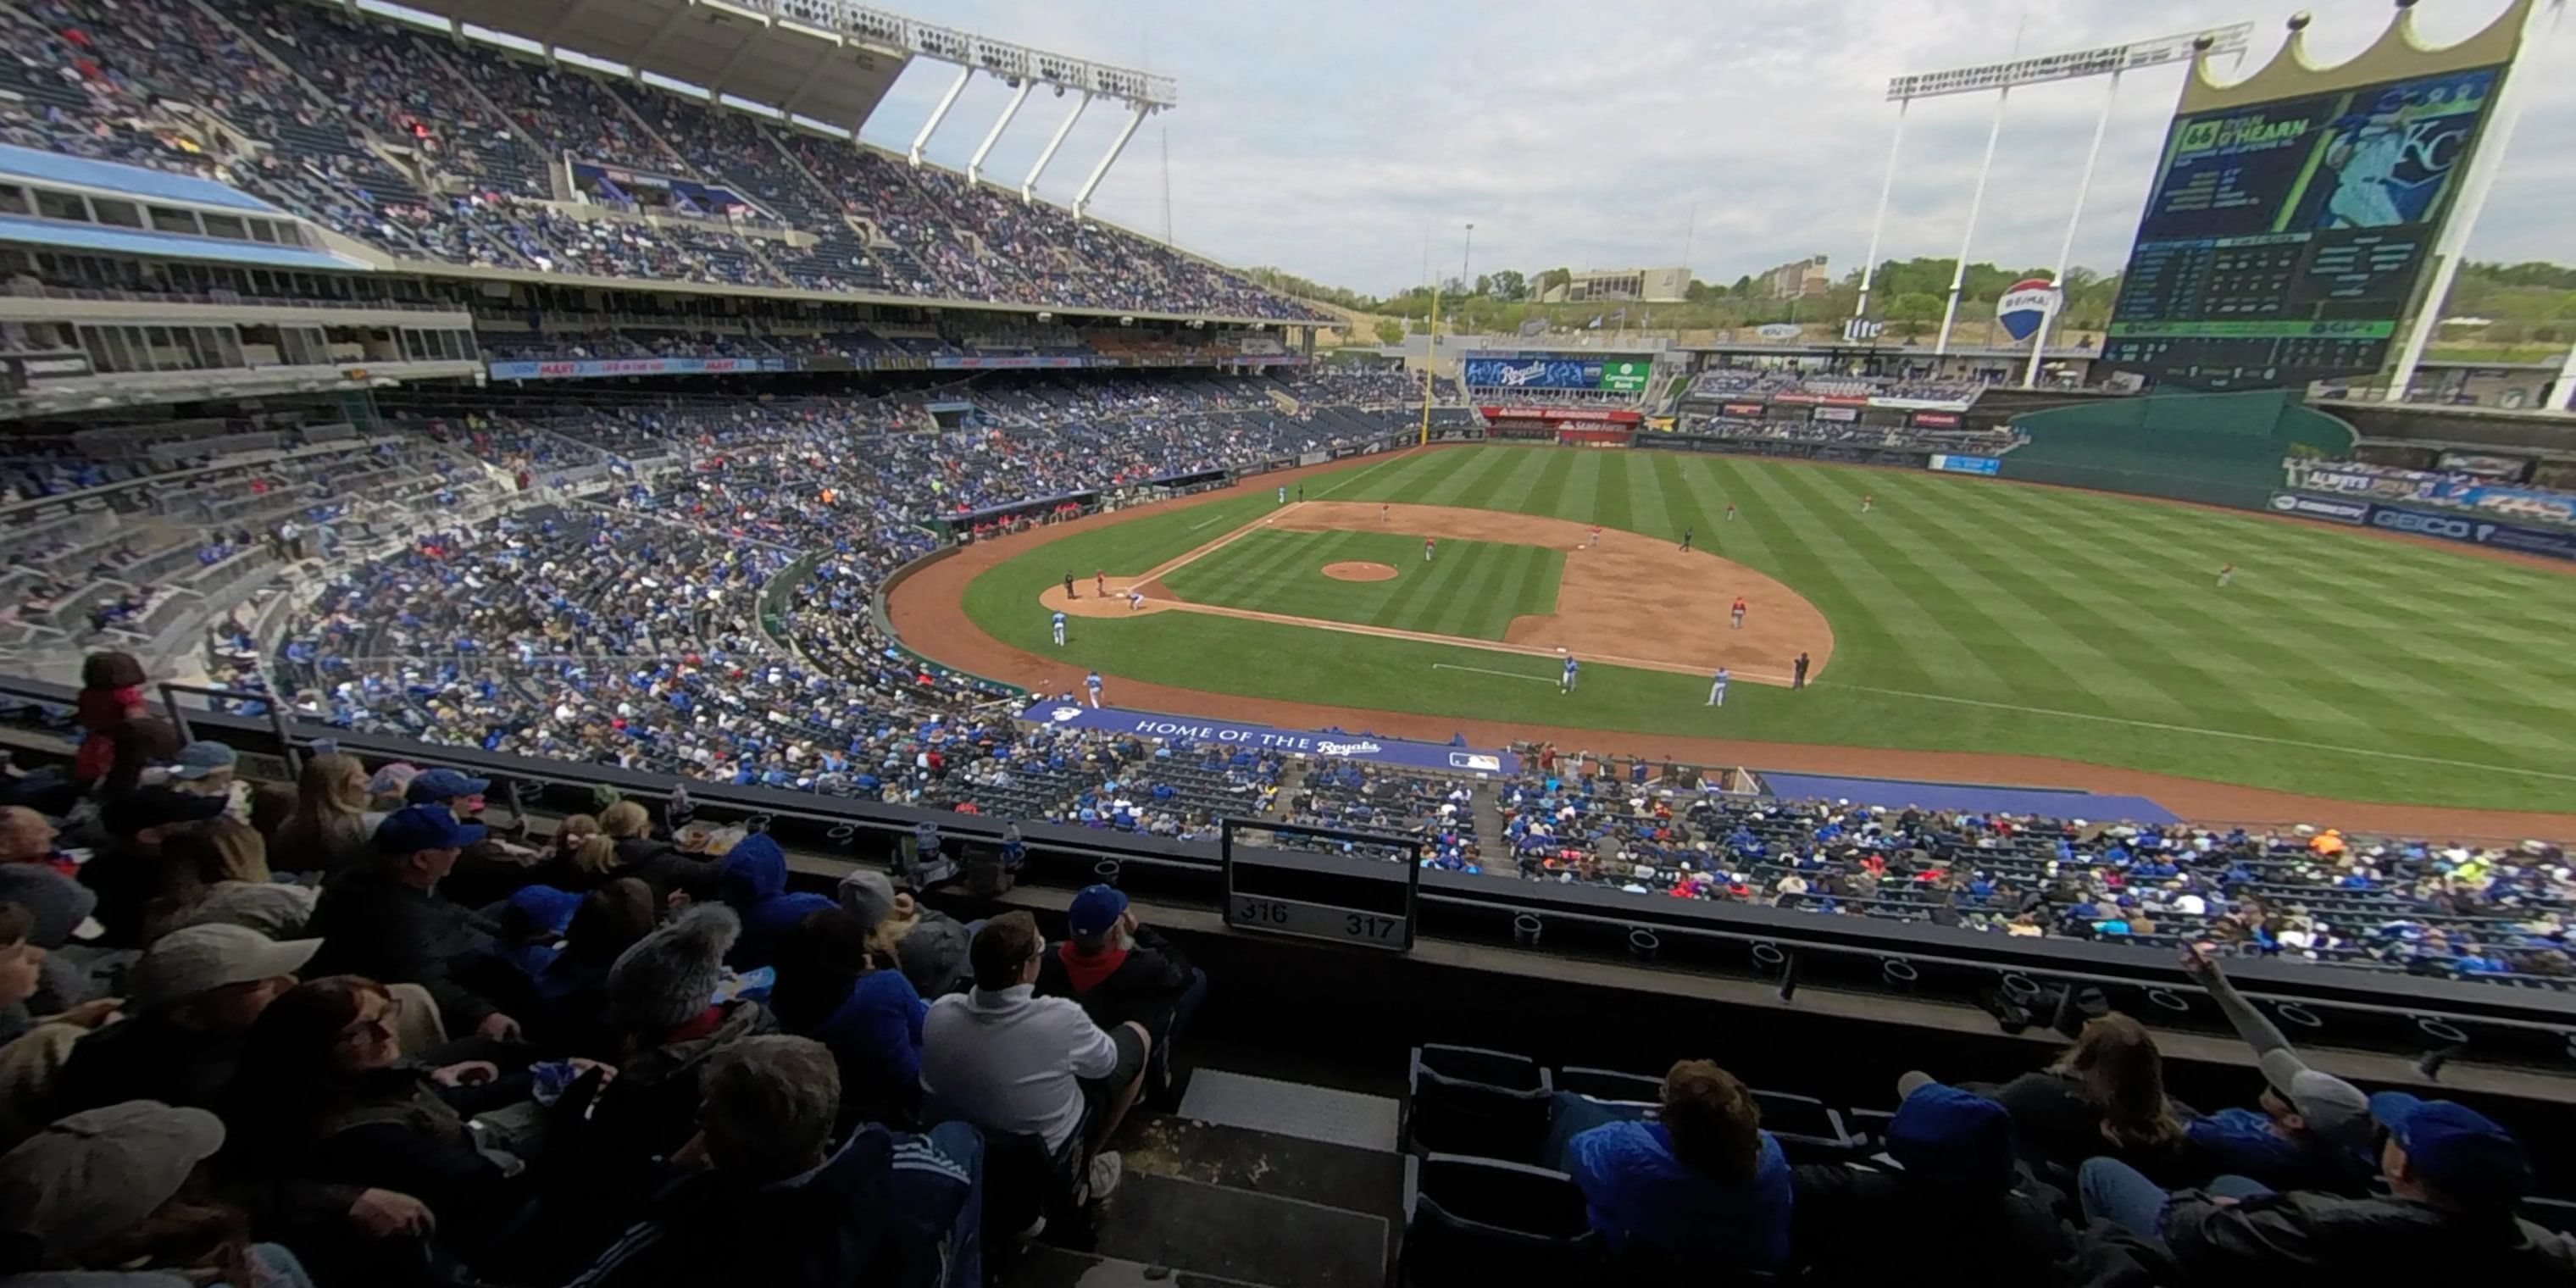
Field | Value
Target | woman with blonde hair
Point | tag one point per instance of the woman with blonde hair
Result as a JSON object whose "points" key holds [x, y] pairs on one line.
{"points": [[660, 864], [217, 871], [331, 825], [2104, 1097]]}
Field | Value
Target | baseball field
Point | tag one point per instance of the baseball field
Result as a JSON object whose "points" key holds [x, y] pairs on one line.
{"points": [[1957, 615]]}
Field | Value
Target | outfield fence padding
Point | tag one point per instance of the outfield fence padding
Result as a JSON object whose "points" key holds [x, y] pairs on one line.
{"points": [[2216, 449]]}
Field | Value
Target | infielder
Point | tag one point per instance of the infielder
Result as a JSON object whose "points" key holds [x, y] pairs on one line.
{"points": [[1565, 684], [1135, 598], [1100, 583], [1093, 683], [1686, 536], [1059, 630], [2226, 574], [1596, 536], [1283, 494], [1717, 689], [1427, 544], [1381, 514], [1736, 614]]}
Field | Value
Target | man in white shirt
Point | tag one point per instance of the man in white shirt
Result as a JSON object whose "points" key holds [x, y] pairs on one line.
{"points": [[1011, 1062]]}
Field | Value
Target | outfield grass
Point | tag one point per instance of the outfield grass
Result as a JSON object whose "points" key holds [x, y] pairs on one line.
{"points": [[1473, 589], [1968, 615]]}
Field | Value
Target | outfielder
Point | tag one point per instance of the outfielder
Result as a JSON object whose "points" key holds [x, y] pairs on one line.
{"points": [[1093, 683], [1565, 684], [1867, 500], [2226, 574], [1730, 512], [1427, 544], [1059, 630], [1736, 614], [1717, 689]]}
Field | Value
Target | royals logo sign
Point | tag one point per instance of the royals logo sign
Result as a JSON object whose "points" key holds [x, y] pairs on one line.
{"points": [[2024, 306]]}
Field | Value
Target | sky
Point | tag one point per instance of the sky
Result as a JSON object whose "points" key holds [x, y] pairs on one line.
{"points": [[1334, 138]]}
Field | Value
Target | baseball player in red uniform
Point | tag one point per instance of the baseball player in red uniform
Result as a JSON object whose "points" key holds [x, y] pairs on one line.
{"points": [[1427, 544], [1736, 614], [1100, 583], [1596, 536]]}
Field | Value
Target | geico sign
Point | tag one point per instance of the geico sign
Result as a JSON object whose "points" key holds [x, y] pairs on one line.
{"points": [[2431, 525]]}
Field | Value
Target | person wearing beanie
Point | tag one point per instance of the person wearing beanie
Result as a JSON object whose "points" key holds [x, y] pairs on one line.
{"points": [[2313, 1131], [1703, 1188], [779, 1204], [1958, 1208], [666, 1023], [754, 884], [386, 919], [927, 945], [2454, 1178]]}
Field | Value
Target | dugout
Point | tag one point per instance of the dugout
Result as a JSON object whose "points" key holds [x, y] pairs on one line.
{"points": [[2217, 449]]}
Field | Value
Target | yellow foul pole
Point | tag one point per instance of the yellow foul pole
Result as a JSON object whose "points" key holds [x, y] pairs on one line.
{"points": [[1430, 364]]}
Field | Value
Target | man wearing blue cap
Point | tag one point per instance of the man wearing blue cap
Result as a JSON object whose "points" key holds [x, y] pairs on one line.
{"points": [[387, 920], [1962, 1211], [2453, 1177], [1122, 972], [487, 871]]}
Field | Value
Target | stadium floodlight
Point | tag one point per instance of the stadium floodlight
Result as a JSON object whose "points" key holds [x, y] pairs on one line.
{"points": [[2000, 78]]}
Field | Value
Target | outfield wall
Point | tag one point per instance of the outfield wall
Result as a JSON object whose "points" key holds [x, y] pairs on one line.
{"points": [[2215, 449]]}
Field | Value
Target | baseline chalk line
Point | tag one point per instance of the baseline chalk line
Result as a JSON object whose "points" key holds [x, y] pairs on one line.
{"points": [[1508, 675]]}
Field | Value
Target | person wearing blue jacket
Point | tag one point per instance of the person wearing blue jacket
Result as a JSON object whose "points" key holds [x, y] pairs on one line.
{"points": [[754, 885], [869, 1019], [1704, 1186]]}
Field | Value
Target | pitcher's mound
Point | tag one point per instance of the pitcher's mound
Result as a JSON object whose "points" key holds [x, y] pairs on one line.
{"points": [[1359, 570]]}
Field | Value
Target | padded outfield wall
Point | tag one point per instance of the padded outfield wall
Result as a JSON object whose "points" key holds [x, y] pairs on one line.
{"points": [[2217, 449]]}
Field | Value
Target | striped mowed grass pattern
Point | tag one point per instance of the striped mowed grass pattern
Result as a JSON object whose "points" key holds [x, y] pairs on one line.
{"points": [[1473, 589], [1968, 614]]}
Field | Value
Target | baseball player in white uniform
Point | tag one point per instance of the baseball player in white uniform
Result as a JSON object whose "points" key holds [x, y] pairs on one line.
{"points": [[1092, 682], [1717, 689], [1283, 494], [1059, 630], [1135, 599], [1565, 684]]}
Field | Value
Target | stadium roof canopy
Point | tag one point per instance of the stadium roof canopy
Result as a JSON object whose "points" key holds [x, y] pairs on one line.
{"points": [[826, 61], [125, 180]]}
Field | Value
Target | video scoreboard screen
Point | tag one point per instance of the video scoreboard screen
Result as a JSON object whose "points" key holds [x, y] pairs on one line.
{"points": [[1616, 373], [2282, 241]]}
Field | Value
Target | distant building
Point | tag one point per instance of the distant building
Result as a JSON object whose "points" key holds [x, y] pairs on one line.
{"points": [[1803, 279], [1646, 285]]}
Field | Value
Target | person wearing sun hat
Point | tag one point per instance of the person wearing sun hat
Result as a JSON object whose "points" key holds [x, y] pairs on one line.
{"points": [[2453, 1175]]}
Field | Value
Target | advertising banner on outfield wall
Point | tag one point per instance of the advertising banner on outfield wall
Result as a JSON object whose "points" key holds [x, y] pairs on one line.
{"points": [[2469, 529], [1967, 464], [1186, 730], [2330, 509]]}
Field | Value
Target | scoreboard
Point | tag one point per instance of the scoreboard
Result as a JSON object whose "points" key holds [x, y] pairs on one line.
{"points": [[2283, 240]]}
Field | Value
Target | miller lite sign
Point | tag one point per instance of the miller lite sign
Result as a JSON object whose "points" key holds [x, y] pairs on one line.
{"points": [[2025, 305]]}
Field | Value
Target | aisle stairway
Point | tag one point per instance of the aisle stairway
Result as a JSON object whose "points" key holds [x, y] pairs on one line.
{"points": [[1255, 1182]]}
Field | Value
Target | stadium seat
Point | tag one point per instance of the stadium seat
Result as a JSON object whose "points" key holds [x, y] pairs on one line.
{"points": [[1471, 1101], [1806, 1129], [1480, 1222], [1610, 1084]]}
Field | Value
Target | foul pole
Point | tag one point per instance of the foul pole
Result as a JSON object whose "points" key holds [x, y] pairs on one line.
{"points": [[1430, 364]]}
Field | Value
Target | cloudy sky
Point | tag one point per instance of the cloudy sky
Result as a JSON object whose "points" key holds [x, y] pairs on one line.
{"points": [[1332, 137]]}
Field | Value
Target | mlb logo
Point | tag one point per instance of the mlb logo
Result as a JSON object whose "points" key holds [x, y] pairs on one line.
{"points": [[2025, 305]]}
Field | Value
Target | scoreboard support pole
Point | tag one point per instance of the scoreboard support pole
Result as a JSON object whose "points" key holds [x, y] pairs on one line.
{"points": [[1976, 204], [2066, 248], [2485, 163], [1886, 187]]}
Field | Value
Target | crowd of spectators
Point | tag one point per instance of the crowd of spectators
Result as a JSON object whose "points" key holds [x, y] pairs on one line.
{"points": [[344, 1031], [1851, 433], [1762, 382], [2415, 906], [324, 92]]}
